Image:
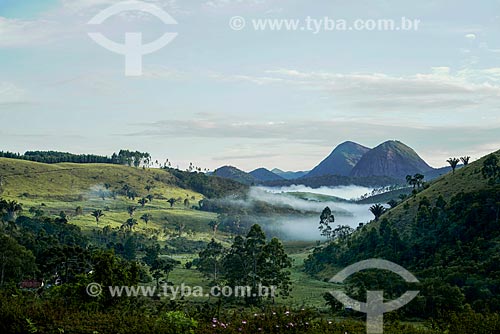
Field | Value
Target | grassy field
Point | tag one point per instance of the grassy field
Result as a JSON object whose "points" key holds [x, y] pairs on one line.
{"points": [[64, 187]]}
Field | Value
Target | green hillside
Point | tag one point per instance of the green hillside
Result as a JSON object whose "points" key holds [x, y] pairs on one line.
{"points": [[466, 179], [447, 235], [64, 187]]}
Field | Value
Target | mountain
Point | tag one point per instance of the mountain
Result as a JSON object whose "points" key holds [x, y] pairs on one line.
{"points": [[341, 161], [263, 174], [289, 175], [235, 174], [391, 158]]}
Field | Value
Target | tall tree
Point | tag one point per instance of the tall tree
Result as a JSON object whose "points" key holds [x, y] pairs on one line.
{"points": [[465, 160], [214, 224], [97, 214], [130, 223], [491, 169], [11, 209], [131, 210], [172, 201], [162, 267], [377, 210], [143, 201], [325, 221], [146, 217], [210, 260], [453, 163]]}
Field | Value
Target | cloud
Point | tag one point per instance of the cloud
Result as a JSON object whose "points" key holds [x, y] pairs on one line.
{"points": [[11, 94], [20, 33], [470, 36], [226, 3], [439, 89]]}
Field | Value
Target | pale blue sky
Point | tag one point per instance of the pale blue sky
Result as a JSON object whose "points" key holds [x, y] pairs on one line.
{"points": [[250, 98]]}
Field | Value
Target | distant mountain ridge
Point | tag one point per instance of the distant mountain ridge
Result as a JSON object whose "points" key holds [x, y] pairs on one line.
{"points": [[235, 174], [264, 174], [341, 161], [349, 163], [391, 158], [289, 175]]}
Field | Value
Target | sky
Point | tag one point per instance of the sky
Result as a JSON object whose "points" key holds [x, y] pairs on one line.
{"points": [[250, 98]]}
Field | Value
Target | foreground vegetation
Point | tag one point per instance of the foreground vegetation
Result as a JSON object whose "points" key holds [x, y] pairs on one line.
{"points": [[65, 225]]}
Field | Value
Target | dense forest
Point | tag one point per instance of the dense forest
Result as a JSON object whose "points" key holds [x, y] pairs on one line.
{"points": [[124, 157]]}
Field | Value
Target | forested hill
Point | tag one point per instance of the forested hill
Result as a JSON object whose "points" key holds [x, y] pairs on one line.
{"points": [[448, 235]]}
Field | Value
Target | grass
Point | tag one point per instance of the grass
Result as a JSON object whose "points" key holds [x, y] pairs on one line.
{"points": [[64, 187]]}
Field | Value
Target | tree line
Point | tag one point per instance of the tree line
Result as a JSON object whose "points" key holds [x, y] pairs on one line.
{"points": [[123, 157]]}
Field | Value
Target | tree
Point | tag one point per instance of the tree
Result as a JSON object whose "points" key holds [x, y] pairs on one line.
{"points": [[130, 223], [490, 169], [419, 179], [186, 203], [453, 163], [252, 262], [150, 198], [377, 210], [214, 225], [142, 201], [152, 253], [97, 214], [10, 209], [15, 260], [180, 228], [148, 188], [416, 180], [465, 160], [131, 210], [78, 211], [392, 203], [163, 266], [325, 220], [172, 201], [411, 181], [146, 217], [275, 265], [210, 260]]}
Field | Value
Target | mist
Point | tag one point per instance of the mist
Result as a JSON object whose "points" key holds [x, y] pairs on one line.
{"points": [[346, 192], [306, 227]]}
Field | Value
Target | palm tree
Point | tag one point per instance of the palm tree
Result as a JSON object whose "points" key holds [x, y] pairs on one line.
{"points": [[172, 201], [392, 203], [465, 160], [130, 223], [453, 163], [377, 210], [146, 217], [97, 214], [11, 208], [142, 201], [131, 210]]}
